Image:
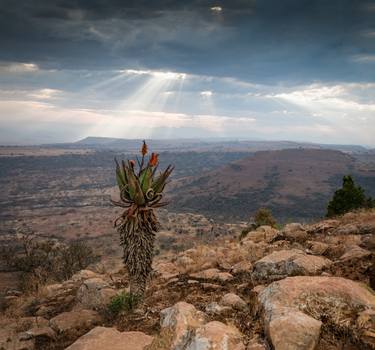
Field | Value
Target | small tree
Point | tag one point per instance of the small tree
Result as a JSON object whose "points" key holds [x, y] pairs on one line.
{"points": [[263, 216], [140, 193], [347, 198]]}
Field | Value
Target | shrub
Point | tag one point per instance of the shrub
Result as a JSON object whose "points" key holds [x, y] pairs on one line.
{"points": [[43, 260], [123, 302], [348, 198], [263, 216]]}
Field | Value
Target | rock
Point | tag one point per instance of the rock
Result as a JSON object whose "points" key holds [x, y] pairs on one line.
{"points": [[366, 324], [262, 234], [75, 322], [53, 289], [184, 261], [210, 286], [45, 311], [192, 282], [181, 320], [323, 227], [293, 330], [367, 229], [317, 248], [234, 301], [11, 339], [40, 333], [349, 229], [333, 297], [368, 242], [295, 232], [283, 263], [83, 275], [257, 290], [166, 270], [216, 336], [355, 252], [241, 267], [102, 338], [95, 293], [213, 274], [256, 344], [215, 308]]}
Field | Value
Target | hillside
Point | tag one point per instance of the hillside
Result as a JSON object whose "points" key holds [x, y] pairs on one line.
{"points": [[303, 287], [295, 183]]}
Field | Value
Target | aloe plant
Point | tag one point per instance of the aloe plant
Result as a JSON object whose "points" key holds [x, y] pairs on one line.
{"points": [[141, 191]]}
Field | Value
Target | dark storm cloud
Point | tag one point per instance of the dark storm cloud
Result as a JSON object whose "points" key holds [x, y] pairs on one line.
{"points": [[264, 40]]}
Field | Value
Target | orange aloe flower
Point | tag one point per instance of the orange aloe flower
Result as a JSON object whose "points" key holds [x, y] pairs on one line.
{"points": [[144, 148], [154, 159], [132, 163]]}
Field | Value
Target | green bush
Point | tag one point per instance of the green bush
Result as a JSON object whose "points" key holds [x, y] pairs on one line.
{"points": [[123, 302], [349, 197], [263, 216]]}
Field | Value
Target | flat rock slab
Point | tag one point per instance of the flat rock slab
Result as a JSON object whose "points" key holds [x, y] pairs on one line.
{"points": [[213, 275], [102, 338], [284, 263]]}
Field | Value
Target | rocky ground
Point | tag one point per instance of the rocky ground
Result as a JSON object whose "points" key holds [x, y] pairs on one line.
{"points": [[301, 287]]}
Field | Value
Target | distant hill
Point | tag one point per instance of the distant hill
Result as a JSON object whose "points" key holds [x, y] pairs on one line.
{"points": [[199, 145], [294, 183]]}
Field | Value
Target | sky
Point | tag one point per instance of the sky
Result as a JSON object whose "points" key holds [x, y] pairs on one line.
{"points": [[300, 70]]}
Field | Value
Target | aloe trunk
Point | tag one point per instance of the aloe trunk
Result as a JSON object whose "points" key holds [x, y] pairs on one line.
{"points": [[138, 249]]}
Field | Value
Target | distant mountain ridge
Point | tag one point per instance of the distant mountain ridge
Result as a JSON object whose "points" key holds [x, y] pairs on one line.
{"points": [[209, 145]]}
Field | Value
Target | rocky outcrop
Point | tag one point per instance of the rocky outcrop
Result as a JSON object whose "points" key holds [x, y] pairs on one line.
{"points": [[297, 304], [283, 263], [102, 338]]}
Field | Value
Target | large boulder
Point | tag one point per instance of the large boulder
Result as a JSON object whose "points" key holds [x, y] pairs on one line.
{"points": [[95, 293], [216, 336], [335, 300], [180, 321], [102, 338], [75, 323], [283, 263]]}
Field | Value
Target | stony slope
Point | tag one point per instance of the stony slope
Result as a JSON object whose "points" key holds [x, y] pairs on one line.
{"points": [[302, 287]]}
